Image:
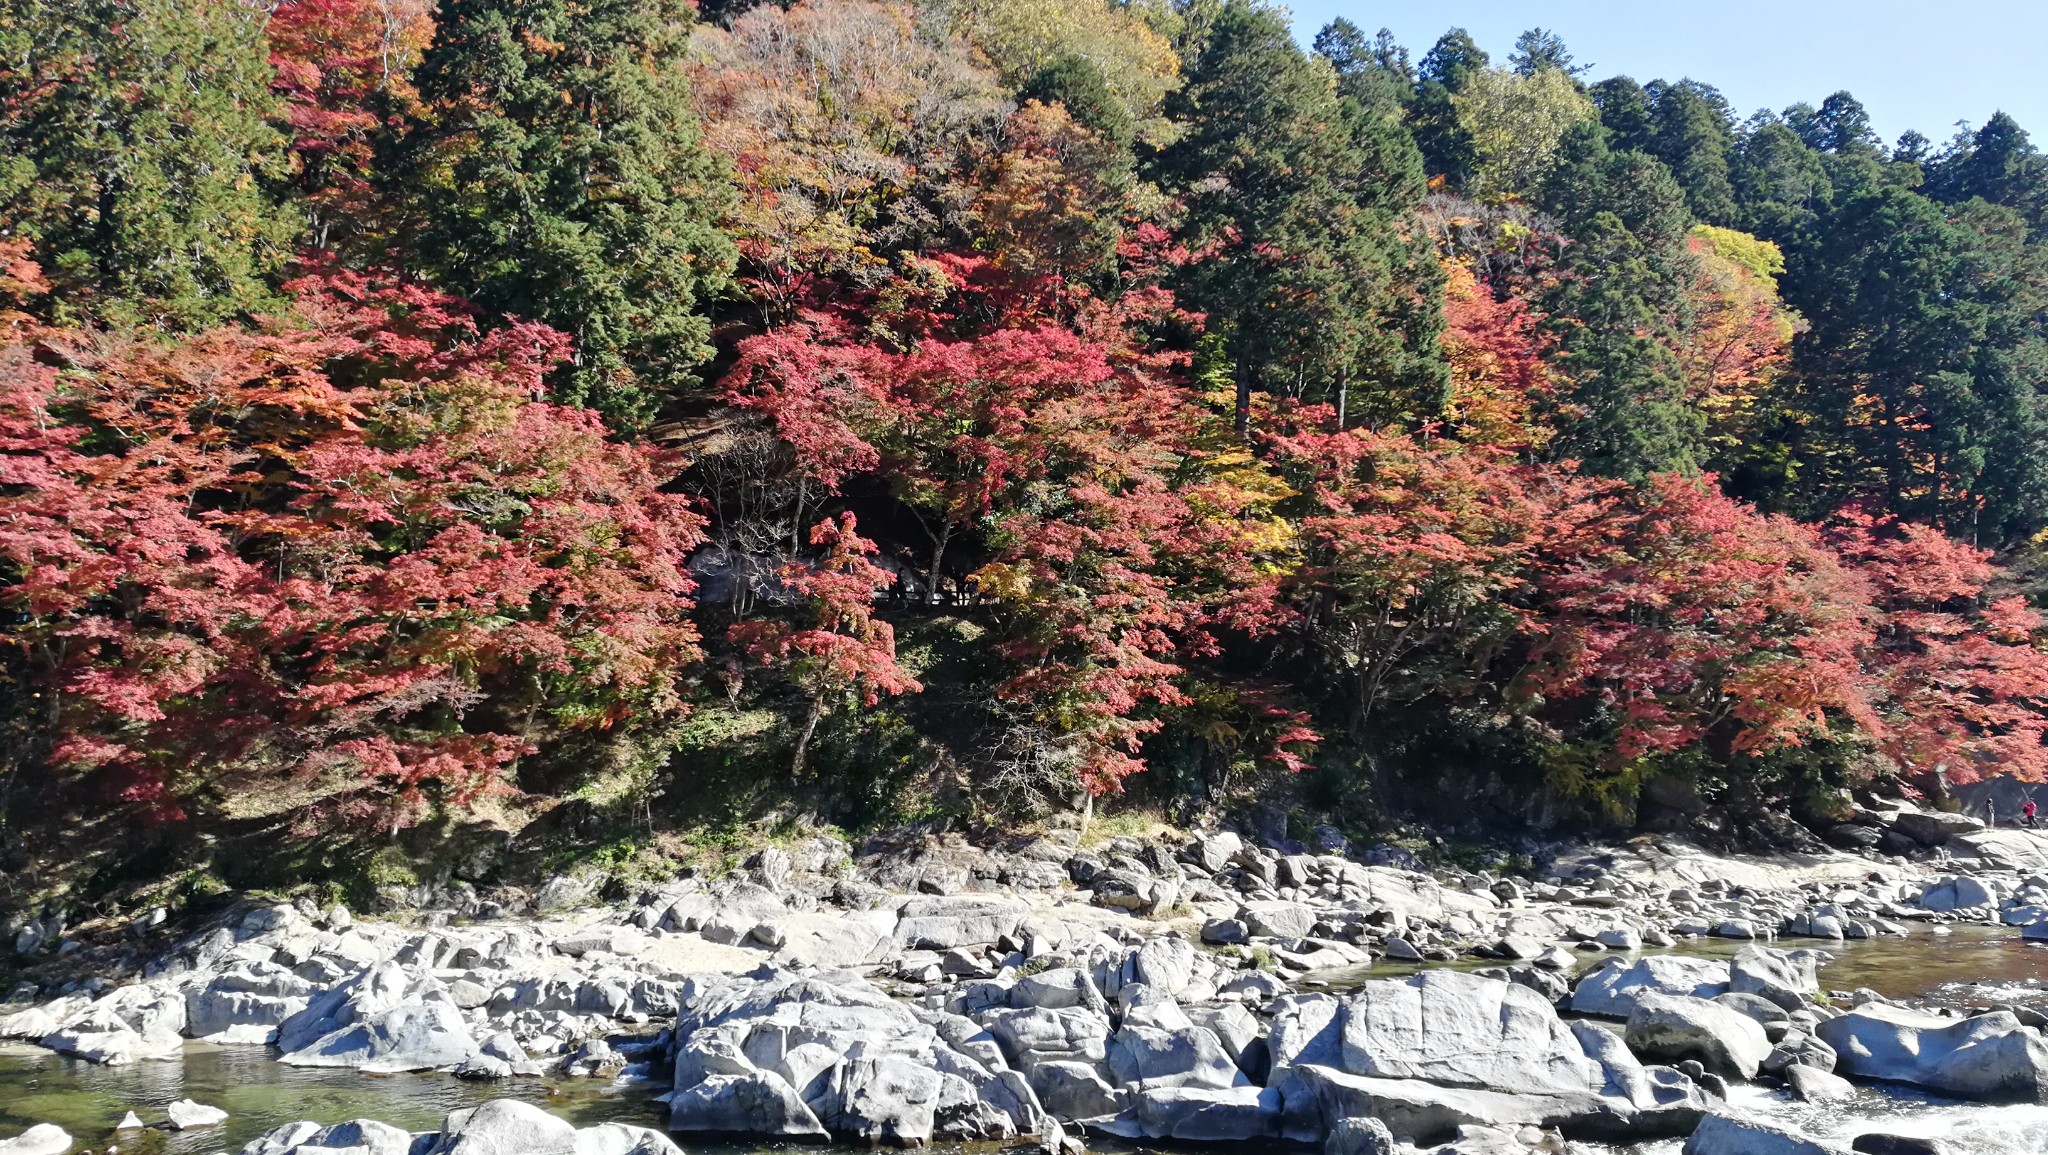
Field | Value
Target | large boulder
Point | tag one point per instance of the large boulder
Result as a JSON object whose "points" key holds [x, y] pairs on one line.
{"points": [[144, 1021], [358, 1136], [1167, 1050], [1198, 1114], [410, 1037], [805, 1057], [1049, 1034], [1214, 852], [882, 1100], [1275, 918], [623, 1139], [245, 1004], [504, 1127], [1957, 893], [1722, 1135], [2003, 849], [752, 1103], [1674, 1028], [1934, 827], [945, 922], [1442, 1049], [1989, 1057], [1428, 1112], [1612, 989], [1786, 978], [1462, 1030]]}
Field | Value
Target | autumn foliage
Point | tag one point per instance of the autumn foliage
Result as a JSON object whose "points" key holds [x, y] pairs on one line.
{"points": [[1049, 400], [343, 545]]}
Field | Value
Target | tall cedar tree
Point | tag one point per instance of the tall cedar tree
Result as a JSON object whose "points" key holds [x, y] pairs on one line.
{"points": [[1618, 310], [135, 146], [1314, 281], [1920, 377], [1446, 147], [557, 174]]}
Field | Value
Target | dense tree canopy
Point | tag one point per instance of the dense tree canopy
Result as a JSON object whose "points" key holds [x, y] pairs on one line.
{"points": [[944, 405]]}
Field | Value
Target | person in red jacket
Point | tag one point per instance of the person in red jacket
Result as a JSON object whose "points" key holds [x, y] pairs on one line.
{"points": [[2027, 813]]}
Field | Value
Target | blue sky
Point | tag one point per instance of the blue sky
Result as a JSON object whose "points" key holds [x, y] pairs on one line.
{"points": [[1921, 64]]}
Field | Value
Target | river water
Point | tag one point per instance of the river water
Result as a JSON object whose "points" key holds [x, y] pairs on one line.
{"points": [[1974, 966]]}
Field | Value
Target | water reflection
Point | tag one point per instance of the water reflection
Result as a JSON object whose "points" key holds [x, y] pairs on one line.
{"points": [[259, 1093]]}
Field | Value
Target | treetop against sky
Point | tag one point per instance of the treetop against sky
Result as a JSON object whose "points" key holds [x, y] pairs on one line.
{"points": [[1914, 65]]}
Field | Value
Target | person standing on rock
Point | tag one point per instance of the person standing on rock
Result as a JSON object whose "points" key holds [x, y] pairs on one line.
{"points": [[2027, 813]]}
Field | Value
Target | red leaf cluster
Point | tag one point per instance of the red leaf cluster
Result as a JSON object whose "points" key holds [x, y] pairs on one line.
{"points": [[343, 544]]}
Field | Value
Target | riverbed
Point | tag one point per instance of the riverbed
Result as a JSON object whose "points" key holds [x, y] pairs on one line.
{"points": [[1971, 966]]}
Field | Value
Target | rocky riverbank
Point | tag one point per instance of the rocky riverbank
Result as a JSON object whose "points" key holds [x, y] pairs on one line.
{"points": [[1198, 990]]}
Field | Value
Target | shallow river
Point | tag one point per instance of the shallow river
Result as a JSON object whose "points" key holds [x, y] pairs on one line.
{"points": [[1973, 966]]}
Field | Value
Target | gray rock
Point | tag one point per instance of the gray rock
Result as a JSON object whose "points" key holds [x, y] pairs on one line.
{"points": [[1273, 918], [409, 1037], [1146, 1056], [1620, 938], [1755, 1006], [1800, 1049], [186, 1114], [1877, 1143], [245, 1004], [1075, 1090], [1225, 932], [130, 1023], [1786, 978], [945, 922], [1957, 893], [754, 1103], [1673, 1028], [1613, 988], [1721, 1135], [2003, 849], [1234, 1026], [885, 1100], [1933, 827], [1462, 1030], [1198, 1114], [1428, 1112], [1813, 1085], [1255, 985], [1053, 989], [1989, 1057], [504, 1127], [623, 1139], [1359, 1137], [1166, 965], [564, 891], [41, 1139], [1044, 1034], [365, 1135], [1214, 852]]}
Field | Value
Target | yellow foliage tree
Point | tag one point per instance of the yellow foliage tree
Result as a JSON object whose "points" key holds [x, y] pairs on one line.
{"points": [[1022, 36], [1516, 122]]}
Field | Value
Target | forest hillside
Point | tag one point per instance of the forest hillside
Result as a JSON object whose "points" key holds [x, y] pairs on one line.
{"points": [[485, 434]]}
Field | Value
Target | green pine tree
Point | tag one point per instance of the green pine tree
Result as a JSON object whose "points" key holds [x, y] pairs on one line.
{"points": [[558, 175], [1323, 292], [1617, 306], [134, 148], [1447, 149]]}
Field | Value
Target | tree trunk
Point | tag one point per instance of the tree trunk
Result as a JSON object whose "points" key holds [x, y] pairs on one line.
{"points": [[931, 580], [1244, 402], [803, 739]]}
